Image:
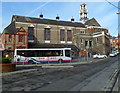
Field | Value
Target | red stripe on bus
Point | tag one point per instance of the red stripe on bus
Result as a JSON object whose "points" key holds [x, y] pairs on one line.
{"points": [[21, 62]]}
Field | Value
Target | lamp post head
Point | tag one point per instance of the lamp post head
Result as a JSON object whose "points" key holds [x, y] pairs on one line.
{"points": [[118, 13]]}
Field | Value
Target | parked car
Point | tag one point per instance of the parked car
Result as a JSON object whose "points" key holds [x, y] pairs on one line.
{"points": [[112, 54], [117, 51], [99, 56]]}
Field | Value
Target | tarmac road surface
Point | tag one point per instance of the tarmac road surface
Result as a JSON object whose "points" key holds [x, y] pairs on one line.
{"points": [[94, 76]]}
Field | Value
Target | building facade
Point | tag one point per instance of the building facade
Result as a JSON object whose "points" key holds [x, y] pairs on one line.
{"points": [[29, 32], [14, 38]]}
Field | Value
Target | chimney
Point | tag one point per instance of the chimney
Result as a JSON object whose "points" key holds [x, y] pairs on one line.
{"points": [[72, 19], [41, 15], [57, 17]]}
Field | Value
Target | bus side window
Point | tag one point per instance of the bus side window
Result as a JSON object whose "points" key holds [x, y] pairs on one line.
{"points": [[67, 53]]}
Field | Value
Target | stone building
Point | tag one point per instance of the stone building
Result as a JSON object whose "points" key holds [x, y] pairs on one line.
{"points": [[29, 32], [95, 40], [93, 43]]}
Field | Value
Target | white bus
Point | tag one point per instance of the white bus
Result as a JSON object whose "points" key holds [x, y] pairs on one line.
{"points": [[46, 55]]}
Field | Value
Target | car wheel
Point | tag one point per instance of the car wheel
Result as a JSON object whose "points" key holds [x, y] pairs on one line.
{"points": [[18, 59]]}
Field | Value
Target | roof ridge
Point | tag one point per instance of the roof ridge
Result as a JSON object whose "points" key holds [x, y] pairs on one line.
{"points": [[46, 19]]}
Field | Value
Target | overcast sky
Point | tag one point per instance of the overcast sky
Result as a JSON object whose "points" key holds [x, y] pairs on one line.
{"points": [[103, 12]]}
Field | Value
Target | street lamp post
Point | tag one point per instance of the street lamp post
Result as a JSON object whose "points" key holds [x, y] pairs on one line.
{"points": [[87, 52], [118, 27]]}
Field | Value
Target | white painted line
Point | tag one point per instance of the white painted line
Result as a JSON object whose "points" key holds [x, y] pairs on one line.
{"points": [[57, 66]]}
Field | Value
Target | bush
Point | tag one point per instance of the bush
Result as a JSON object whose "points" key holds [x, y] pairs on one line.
{"points": [[6, 60]]}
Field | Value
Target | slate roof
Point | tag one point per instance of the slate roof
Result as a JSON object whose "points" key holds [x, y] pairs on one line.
{"points": [[11, 29], [47, 21], [92, 22]]}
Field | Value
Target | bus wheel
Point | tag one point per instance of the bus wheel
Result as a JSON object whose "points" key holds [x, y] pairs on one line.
{"points": [[18, 59], [60, 61], [30, 62]]}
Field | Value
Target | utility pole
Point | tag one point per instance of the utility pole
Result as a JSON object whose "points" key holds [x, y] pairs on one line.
{"points": [[118, 26], [87, 51]]}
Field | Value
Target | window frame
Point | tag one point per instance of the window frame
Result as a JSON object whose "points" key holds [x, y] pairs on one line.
{"points": [[10, 38], [30, 36], [70, 35], [21, 39], [62, 34], [47, 31]]}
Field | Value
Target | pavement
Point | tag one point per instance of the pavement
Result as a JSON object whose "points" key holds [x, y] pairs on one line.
{"points": [[115, 88]]}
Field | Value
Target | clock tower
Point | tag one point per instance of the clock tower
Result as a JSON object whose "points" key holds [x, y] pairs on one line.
{"points": [[83, 13]]}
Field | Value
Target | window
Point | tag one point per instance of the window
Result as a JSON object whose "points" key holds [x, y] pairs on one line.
{"points": [[21, 38], [30, 33], [62, 35], [69, 35], [90, 44], [39, 53], [96, 40], [67, 53], [82, 32], [81, 40], [10, 38], [9, 48], [47, 33], [86, 43]]}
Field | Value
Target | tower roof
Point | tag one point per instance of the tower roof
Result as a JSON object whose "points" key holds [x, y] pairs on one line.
{"points": [[83, 4]]}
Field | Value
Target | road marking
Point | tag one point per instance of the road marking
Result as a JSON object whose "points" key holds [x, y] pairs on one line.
{"points": [[57, 66]]}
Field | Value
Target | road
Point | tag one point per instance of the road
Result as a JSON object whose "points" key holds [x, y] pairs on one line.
{"points": [[94, 76]]}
